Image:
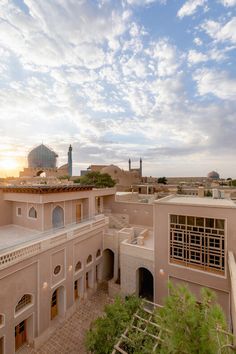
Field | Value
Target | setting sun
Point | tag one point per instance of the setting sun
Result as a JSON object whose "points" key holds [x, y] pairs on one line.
{"points": [[8, 164]]}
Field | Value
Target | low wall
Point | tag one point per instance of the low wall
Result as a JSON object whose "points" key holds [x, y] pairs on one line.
{"points": [[139, 213]]}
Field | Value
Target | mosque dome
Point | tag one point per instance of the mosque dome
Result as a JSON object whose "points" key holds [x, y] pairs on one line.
{"points": [[112, 170], [213, 175], [42, 157]]}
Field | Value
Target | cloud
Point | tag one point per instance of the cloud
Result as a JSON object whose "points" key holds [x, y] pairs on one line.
{"points": [[166, 58], [220, 32], [144, 2], [195, 57], [190, 7], [217, 83], [197, 41], [228, 3]]}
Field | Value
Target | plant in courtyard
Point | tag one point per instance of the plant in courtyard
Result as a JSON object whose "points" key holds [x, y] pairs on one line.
{"points": [[162, 180], [97, 179], [106, 330], [183, 326], [193, 325]]}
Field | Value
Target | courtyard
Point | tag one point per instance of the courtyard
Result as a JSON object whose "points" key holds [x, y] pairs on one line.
{"points": [[68, 338]]}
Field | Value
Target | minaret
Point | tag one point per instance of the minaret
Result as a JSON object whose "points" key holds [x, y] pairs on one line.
{"points": [[129, 165], [70, 161], [140, 167]]}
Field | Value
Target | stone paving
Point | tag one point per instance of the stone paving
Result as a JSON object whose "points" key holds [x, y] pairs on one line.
{"points": [[68, 338]]}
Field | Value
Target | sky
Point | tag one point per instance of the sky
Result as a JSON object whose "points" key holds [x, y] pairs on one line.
{"points": [[120, 79]]}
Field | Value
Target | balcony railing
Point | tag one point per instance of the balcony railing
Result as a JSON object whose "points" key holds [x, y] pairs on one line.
{"points": [[49, 239]]}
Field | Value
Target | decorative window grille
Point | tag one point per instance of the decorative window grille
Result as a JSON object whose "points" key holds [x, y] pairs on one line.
{"points": [[198, 242], [24, 301]]}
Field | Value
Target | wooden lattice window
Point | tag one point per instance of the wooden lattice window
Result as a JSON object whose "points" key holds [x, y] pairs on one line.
{"points": [[33, 213], [198, 242], [98, 254], [78, 266], [24, 301], [89, 259]]}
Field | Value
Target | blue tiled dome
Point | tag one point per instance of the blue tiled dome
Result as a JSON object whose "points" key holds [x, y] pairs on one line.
{"points": [[42, 156]]}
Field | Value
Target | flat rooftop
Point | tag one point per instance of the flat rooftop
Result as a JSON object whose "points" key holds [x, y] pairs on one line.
{"points": [[191, 200], [14, 235], [45, 189]]}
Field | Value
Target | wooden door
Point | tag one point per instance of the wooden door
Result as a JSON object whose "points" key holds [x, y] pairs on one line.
{"points": [[1, 345], [20, 334], [54, 305], [76, 290], [87, 280], [78, 213]]}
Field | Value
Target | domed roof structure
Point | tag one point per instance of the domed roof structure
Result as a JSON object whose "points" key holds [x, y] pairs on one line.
{"points": [[111, 170], [213, 175], [42, 157]]}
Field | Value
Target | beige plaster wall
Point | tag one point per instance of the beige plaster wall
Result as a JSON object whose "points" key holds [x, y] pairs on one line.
{"points": [[6, 211], [24, 220], [220, 284], [36, 276], [139, 213]]}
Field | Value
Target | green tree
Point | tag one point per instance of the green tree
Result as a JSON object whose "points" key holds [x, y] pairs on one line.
{"points": [[185, 326], [105, 331], [193, 325], [233, 183], [97, 179], [162, 180], [208, 193]]}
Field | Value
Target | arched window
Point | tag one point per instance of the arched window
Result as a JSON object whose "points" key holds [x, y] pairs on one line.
{"points": [[24, 301], [89, 259], [78, 266], [98, 254], [1, 320], [33, 213], [58, 217]]}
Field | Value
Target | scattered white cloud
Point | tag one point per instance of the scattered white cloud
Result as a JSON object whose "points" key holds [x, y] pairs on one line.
{"points": [[196, 57], [190, 7], [197, 41], [221, 32], [217, 83], [228, 3], [144, 2], [166, 58], [90, 73]]}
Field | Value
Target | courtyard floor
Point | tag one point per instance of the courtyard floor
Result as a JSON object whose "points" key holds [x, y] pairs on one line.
{"points": [[68, 338]]}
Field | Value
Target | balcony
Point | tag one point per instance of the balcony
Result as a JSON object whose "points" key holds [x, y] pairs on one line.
{"points": [[25, 243]]}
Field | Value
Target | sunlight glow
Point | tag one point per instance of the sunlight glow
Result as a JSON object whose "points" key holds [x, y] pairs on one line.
{"points": [[8, 164]]}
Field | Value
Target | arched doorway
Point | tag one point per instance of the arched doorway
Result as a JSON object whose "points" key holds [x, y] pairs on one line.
{"points": [[57, 303], [58, 217], [145, 283], [108, 264], [41, 174]]}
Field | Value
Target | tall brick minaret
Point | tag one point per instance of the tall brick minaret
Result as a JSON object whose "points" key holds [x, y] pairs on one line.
{"points": [[70, 161]]}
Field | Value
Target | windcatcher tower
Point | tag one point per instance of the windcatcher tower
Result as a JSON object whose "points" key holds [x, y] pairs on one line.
{"points": [[70, 161]]}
